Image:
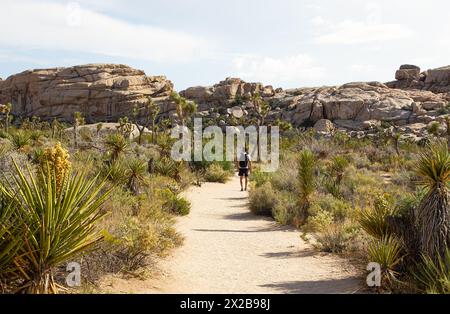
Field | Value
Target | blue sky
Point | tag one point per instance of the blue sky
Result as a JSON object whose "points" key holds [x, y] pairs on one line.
{"points": [[285, 43]]}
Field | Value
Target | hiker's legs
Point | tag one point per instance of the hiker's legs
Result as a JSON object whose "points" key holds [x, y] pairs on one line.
{"points": [[240, 179], [246, 182]]}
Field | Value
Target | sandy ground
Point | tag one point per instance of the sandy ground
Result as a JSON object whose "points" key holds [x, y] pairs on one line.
{"points": [[227, 249]]}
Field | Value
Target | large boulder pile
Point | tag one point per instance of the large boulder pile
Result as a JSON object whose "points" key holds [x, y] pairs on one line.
{"points": [[434, 80], [359, 107], [102, 92]]}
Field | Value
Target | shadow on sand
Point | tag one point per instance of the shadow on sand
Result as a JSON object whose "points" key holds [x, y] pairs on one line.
{"points": [[332, 286]]}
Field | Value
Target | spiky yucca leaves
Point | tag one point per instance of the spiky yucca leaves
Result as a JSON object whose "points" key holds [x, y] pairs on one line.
{"points": [[135, 172], [306, 180], [20, 139], [117, 145], [387, 252], [374, 221], [55, 225], [10, 243], [433, 215], [434, 277]]}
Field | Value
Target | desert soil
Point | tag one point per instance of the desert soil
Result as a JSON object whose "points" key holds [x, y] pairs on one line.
{"points": [[227, 249]]}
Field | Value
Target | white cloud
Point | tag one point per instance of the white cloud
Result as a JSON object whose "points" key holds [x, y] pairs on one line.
{"points": [[318, 21], [278, 71], [351, 32], [59, 27], [363, 68]]}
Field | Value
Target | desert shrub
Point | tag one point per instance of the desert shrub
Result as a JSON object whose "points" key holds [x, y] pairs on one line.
{"points": [[259, 178], [434, 128], [338, 208], [160, 183], [374, 220], [306, 180], [434, 276], [285, 178], [336, 238], [136, 230], [175, 204], [320, 221], [263, 200], [215, 173], [86, 135], [286, 208], [387, 252]]}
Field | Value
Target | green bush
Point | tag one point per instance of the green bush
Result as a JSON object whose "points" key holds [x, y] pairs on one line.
{"points": [[175, 203], [336, 238], [285, 178], [263, 200], [338, 208], [320, 221], [215, 173], [259, 178], [286, 208]]}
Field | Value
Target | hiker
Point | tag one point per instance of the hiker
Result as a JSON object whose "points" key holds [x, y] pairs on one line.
{"points": [[245, 167]]}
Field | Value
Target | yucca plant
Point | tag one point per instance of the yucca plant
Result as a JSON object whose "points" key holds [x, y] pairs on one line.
{"points": [[136, 170], [116, 172], [20, 139], [10, 242], [55, 224], [374, 220], [388, 253], [166, 167], [117, 144], [434, 277], [306, 179], [433, 215]]}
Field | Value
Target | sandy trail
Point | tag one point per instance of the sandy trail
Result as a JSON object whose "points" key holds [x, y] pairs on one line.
{"points": [[227, 249]]}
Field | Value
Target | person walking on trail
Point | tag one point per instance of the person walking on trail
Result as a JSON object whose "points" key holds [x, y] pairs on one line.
{"points": [[245, 167]]}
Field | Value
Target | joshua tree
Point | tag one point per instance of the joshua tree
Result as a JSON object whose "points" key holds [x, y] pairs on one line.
{"points": [[125, 127], [6, 110], [433, 214], [78, 120], [149, 114], [185, 108]]}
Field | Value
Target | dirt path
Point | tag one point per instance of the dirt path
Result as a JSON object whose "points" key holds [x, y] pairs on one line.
{"points": [[229, 250]]}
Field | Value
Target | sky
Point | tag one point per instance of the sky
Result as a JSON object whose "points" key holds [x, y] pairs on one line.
{"points": [[284, 43]]}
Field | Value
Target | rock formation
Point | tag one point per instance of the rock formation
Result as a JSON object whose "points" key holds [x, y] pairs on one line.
{"points": [[107, 92], [352, 106], [102, 92], [434, 80]]}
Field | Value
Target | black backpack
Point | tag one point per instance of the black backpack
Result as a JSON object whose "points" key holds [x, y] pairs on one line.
{"points": [[244, 163]]}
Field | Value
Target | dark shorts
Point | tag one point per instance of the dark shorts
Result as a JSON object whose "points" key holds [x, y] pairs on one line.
{"points": [[243, 172]]}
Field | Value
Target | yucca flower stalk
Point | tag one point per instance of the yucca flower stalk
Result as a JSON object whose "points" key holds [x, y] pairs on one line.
{"points": [[58, 160], [433, 215], [55, 224]]}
